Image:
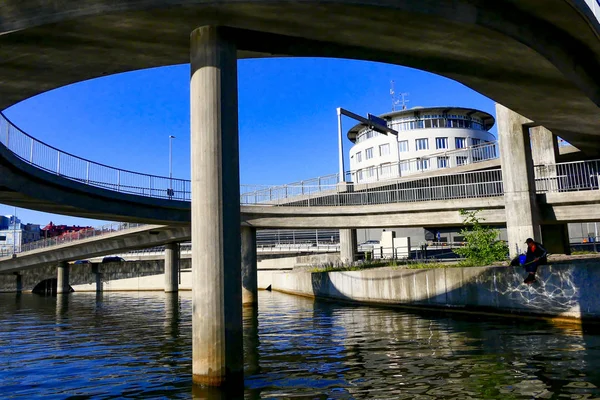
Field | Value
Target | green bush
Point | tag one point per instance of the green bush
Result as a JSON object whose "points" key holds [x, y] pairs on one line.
{"points": [[482, 245]]}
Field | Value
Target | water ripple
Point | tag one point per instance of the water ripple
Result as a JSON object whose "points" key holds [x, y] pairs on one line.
{"points": [[124, 345]]}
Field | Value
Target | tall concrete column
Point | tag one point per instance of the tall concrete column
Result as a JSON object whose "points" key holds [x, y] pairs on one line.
{"points": [[19, 278], [62, 278], [544, 149], [217, 337], [544, 146], [171, 267], [348, 245], [249, 266], [522, 215]]}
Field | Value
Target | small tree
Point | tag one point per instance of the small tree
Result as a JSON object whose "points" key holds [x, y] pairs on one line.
{"points": [[482, 244]]}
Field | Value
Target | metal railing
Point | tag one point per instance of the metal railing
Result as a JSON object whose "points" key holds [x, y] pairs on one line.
{"points": [[567, 177], [432, 162], [66, 165], [71, 237], [443, 187]]}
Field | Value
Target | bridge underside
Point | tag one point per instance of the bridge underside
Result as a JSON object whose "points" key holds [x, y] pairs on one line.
{"points": [[540, 59]]}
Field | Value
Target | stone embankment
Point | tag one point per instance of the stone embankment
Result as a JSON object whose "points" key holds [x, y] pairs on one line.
{"points": [[563, 290]]}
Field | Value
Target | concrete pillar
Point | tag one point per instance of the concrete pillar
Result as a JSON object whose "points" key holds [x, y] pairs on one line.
{"points": [[348, 245], [249, 266], [555, 238], [62, 278], [98, 274], [19, 278], [217, 337], [522, 215], [171, 267], [544, 146]]}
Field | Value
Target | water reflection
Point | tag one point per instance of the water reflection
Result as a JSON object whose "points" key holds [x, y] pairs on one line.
{"points": [[117, 345]]}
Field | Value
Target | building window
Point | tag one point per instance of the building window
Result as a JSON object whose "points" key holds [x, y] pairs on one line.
{"points": [[461, 142], [422, 144], [404, 166], [441, 143], [462, 160], [384, 149], [359, 174], [385, 169], [403, 146], [2, 238], [442, 162], [358, 157], [369, 153], [422, 164], [475, 142], [370, 172]]}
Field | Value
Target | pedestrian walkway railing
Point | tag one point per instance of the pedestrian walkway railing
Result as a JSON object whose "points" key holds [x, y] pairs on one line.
{"points": [[567, 177], [66, 165], [442, 187], [440, 161], [69, 166], [71, 237]]}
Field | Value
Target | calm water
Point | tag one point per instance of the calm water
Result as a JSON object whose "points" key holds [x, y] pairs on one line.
{"points": [[123, 345]]}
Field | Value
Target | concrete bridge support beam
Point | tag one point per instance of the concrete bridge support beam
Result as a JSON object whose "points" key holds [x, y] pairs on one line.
{"points": [[62, 278], [348, 245], [171, 267], [217, 335], [249, 266], [19, 279], [544, 148], [522, 214]]}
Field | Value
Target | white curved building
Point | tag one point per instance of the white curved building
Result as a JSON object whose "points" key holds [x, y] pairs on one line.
{"points": [[428, 138]]}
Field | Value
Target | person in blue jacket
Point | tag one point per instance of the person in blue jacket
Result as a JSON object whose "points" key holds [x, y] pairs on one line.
{"points": [[536, 255]]}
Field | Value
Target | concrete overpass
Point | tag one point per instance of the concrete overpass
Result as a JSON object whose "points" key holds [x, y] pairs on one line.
{"points": [[539, 59], [557, 208]]}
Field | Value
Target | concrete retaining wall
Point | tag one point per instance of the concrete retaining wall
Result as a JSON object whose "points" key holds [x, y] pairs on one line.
{"points": [[565, 290]]}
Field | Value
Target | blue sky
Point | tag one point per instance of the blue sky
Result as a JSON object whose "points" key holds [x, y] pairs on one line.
{"points": [[287, 116]]}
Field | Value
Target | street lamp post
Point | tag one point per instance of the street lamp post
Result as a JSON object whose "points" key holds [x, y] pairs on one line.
{"points": [[170, 191], [15, 233]]}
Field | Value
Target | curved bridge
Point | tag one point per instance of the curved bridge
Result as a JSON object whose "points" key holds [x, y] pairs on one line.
{"points": [[539, 59]]}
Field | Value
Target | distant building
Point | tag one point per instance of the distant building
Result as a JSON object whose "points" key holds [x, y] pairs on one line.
{"points": [[14, 234], [51, 230], [428, 139]]}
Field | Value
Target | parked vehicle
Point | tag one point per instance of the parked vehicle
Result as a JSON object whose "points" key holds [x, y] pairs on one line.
{"points": [[111, 259], [82, 262]]}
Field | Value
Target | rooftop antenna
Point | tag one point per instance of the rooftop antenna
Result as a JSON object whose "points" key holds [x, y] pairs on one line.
{"points": [[396, 102]]}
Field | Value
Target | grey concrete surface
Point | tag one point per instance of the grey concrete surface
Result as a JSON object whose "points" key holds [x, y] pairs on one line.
{"points": [[348, 245], [521, 53], [555, 208], [561, 290], [216, 259], [522, 214], [62, 278], [172, 258], [544, 146], [249, 266]]}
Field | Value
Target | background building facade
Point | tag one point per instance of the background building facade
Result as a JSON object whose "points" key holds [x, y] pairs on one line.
{"points": [[428, 138]]}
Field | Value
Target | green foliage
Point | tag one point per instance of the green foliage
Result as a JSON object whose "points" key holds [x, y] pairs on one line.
{"points": [[482, 244]]}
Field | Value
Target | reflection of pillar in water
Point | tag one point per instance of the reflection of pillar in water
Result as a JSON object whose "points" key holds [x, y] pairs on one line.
{"points": [[19, 279], [171, 322], [228, 392], [62, 307], [251, 340]]}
